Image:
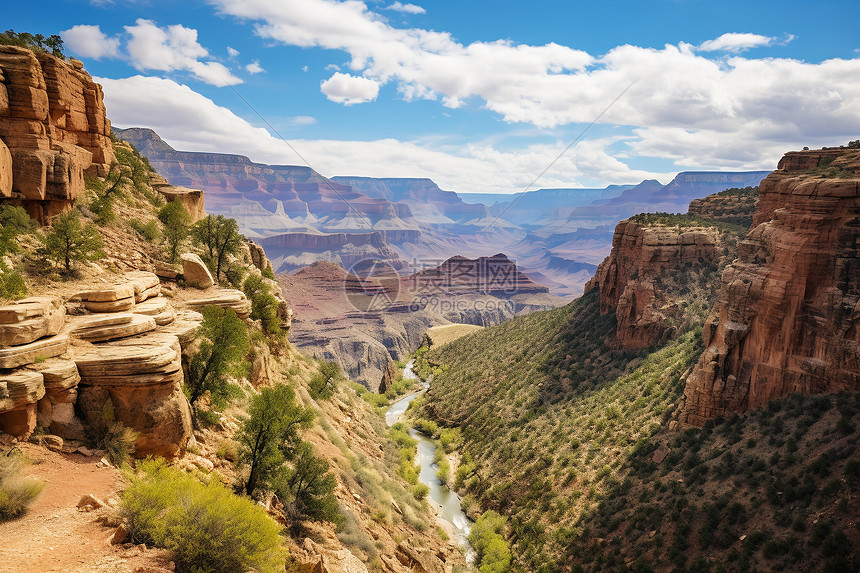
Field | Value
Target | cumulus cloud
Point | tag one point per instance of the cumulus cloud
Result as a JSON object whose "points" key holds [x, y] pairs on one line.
{"points": [[232, 52], [348, 89], [90, 42], [190, 121], [254, 67], [736, 43], [174, 48], [407, 8]]}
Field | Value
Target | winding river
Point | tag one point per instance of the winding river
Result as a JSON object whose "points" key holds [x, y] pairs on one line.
{"points": [[446, 502]]}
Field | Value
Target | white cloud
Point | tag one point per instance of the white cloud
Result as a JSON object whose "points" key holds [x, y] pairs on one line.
{"points": [[190, 121], [232, 52], [736, 42], [174, 48], [407, 8], [90, 42], [254, 67], [302, 120], [348, 89]]}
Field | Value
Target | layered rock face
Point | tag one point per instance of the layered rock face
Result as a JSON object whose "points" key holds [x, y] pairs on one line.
{"points": [[652, 268], [788, 314], [53, 128]]}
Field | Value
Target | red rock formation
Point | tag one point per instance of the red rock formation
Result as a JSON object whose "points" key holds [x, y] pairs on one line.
{"points": [[651, 269], [788, 314], [496, 275], [53, 122]]}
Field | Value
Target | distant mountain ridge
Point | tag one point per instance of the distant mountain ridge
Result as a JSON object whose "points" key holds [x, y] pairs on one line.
{"points": [[556, 235]]}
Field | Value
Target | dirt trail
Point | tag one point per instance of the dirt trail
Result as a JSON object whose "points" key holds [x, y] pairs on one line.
{"points": [[54, 537]]}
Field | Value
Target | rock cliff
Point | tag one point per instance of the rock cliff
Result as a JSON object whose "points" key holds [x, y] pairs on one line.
{"points": [[788, 314], [658, 278], [53, 129], [733, 206]]}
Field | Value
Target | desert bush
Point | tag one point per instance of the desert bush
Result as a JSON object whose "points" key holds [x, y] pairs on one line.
{"points": [[224, 341], [264, 305], [205, 527], [176, 221], [71, 241], [494, 555], [307, 488], [324, 383], [148, 230], [16, 491]]}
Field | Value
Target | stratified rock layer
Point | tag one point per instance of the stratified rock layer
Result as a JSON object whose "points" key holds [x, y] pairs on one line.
{"points": [[788, 315], [55, 128]]}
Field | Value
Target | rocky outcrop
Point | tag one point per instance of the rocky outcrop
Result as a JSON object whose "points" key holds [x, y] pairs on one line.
{"points": [[191, 199], [788, 313], [733, 206], [232, 299], [658, 277], [142, 380], [53, 128]]}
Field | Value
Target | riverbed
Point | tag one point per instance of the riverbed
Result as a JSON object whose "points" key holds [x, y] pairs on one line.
{"points": [[446, 502]]}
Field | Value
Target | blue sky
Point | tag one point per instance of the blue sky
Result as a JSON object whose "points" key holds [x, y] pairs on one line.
{"points": [[479, 95]]}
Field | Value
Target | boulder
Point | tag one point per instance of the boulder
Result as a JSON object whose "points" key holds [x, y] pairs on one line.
{"points": [[146, 285], [196, 272]]}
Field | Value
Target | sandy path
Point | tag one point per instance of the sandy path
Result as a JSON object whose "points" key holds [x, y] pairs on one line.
{"points": [[53, 536]]}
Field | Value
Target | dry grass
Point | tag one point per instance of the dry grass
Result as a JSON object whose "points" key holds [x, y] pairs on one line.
{"points": [[442, 335]]}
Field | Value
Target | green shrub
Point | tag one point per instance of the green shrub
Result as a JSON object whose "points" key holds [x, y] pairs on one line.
{"points": [[307, 488], [148, 230], [16, 491], [205, 527], [224, 341], [324, 383], [71, 241], [264, 305], [176, 221], [494, 555]]}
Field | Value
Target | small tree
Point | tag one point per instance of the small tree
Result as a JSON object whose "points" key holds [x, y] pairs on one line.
{"points": [[324, 383], [307, 489], [264, 306], [70, 241], [219, 237], [270, 434], [176, 221], [224, 342]]}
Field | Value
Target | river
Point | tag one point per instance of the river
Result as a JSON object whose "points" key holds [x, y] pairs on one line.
{"points": [[446, 502]]}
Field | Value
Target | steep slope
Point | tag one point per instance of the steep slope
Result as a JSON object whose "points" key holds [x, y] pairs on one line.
{"points": [[789, 308], [568, 416]]}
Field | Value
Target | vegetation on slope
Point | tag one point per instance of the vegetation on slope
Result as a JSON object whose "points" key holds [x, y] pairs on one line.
{"points": [[775, 490], [547, 426], [686, 220]]}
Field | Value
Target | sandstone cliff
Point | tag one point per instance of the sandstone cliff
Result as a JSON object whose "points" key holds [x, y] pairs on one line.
{"points": [[53, 129], [788, 314], [659, 278]]}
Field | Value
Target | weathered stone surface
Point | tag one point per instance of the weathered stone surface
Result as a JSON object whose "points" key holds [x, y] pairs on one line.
{"points": [[77, 323], [420, 560], [159, 308], [145, 284], [184, 327], [120, 305], [107, 294], [19, 388], [637, 280], [31, 319], [55, 128], [5, 170], [196, 272], [191, 199], [15, 356], [58, 373], [788, 314], [142, 377], [225, 298], [19, 422], [137, 324], [65, 423], [314, 558]]}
